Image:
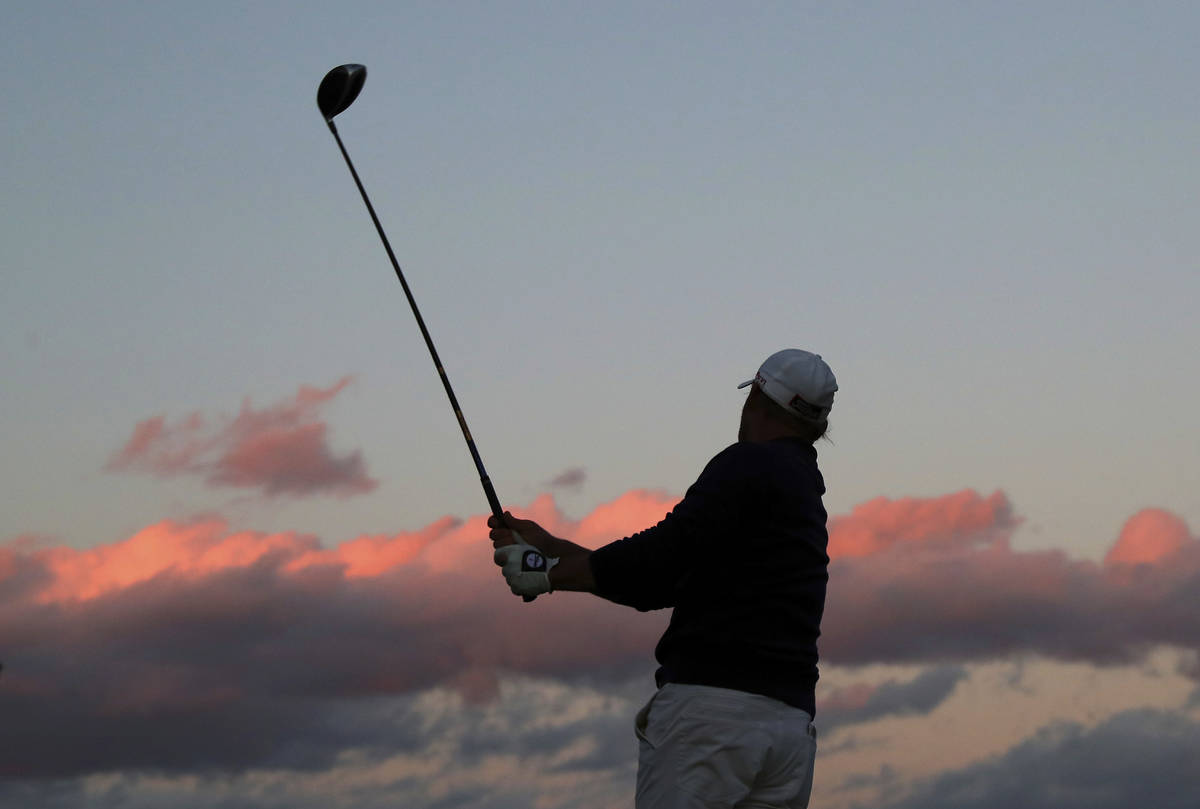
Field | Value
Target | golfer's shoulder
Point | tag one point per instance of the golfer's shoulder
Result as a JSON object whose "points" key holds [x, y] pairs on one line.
{"points": [[744, 458], [733, 455], [765, 453], [762, 464]]}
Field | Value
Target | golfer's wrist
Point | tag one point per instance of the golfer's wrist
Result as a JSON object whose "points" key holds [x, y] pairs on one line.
{"points": [[573, 572]]}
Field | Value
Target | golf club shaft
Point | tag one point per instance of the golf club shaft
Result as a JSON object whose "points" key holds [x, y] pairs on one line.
{"points": [[488, 490]]}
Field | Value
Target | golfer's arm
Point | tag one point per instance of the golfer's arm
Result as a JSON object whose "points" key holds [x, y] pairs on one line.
{"points": [[574, 569]]}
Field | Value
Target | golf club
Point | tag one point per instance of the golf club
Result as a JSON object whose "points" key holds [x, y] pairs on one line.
{"points": [[337, 91]]}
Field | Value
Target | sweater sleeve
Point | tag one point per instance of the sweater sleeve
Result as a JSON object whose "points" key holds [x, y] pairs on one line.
{"points": [[645, 570]]}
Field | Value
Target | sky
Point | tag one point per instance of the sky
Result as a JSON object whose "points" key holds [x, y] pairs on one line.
{"points": [[243, 560]]}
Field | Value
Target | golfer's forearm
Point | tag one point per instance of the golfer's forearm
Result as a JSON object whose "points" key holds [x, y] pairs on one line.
{"points": [[562, 548], [573, 572]]}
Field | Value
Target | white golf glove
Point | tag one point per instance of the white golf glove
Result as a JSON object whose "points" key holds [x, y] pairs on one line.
{"points": [[525, 568]]}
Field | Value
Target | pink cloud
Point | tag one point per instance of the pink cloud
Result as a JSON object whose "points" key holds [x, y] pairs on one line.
{"points": [[937, 579], [953, 521], [281, 449], [1149, 537], [197, 641], [241, 637], [181, 551]]}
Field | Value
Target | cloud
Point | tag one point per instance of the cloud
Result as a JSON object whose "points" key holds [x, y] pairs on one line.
{"points": [[1149, 537], [572, 478], [196, 647], [1136, 758], [884, 778], [540, 744], [282, 449], [937, 580], [864, 702], [954, 521]]}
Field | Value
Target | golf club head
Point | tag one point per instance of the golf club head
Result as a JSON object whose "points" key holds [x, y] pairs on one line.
{"points": [[339, 88]]}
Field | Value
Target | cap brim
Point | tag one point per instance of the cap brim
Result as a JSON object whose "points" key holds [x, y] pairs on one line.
{"points": [[744, 384]]}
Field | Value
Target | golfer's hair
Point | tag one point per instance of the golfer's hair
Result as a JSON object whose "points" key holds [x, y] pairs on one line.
{"points": [[814, 431], [810, 431]]}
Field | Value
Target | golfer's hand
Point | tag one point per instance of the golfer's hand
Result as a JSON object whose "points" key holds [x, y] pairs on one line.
{"points": [[521, 548], [511, 530], [525, 568]]}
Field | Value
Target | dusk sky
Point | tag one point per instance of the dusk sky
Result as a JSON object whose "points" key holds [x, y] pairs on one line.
{"points": [[243, 559]]}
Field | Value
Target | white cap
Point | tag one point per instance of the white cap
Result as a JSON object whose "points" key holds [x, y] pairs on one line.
{"points": [[799, 381]]}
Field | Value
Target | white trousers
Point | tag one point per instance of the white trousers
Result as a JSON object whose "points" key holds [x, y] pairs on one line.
{"points": [[702, 748]]}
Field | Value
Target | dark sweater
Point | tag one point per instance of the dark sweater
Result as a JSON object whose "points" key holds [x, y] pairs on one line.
{"points": [[742, 560]]}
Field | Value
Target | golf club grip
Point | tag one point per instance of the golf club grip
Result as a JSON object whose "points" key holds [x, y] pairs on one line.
{"points": [[521, 539], [489, 491]]}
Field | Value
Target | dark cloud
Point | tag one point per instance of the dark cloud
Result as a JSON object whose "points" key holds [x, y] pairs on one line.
{"points": [[281, 449], [543, 744], [572, 478], [865, 703], [248, 668], [194, 649], [1136, 758], [237, 650], [884, 777]]}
